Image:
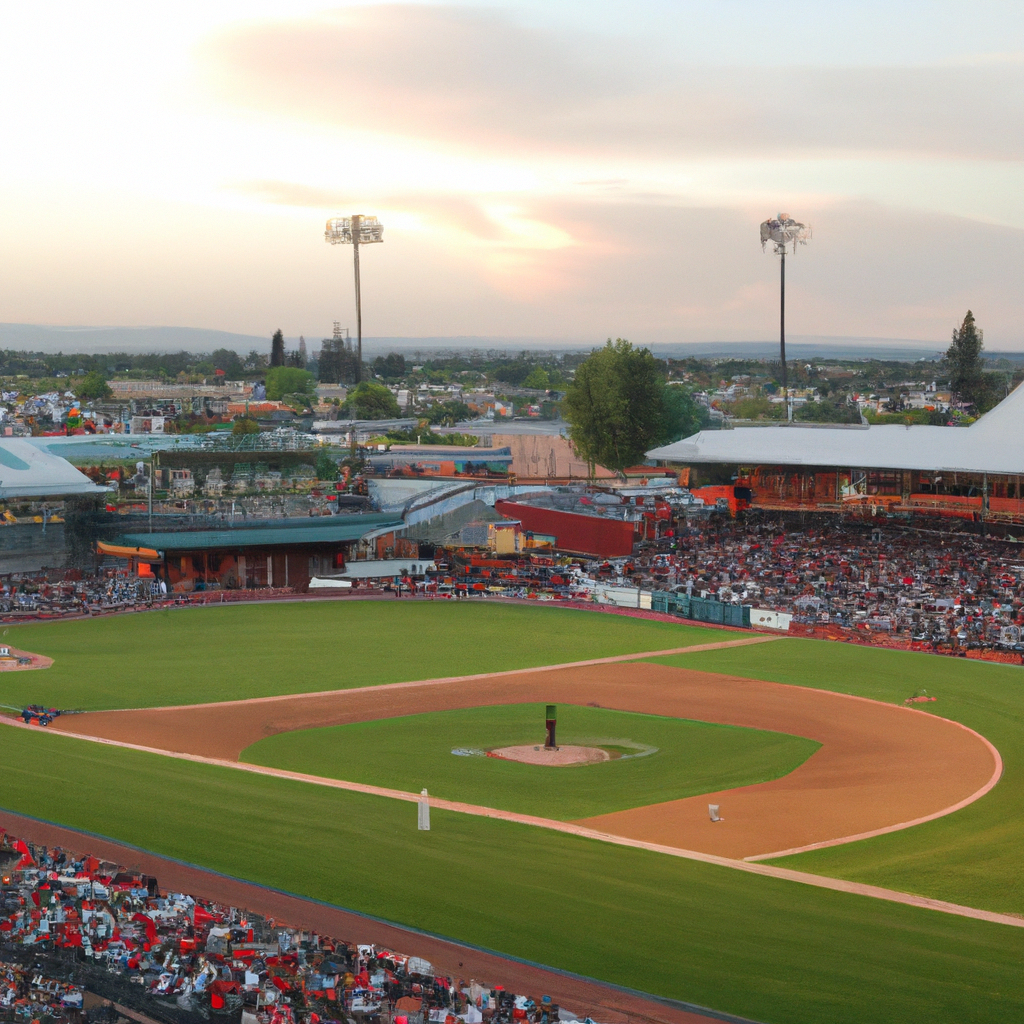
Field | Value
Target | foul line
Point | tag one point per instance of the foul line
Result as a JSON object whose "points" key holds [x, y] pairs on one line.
{"points": [[770, 871]]}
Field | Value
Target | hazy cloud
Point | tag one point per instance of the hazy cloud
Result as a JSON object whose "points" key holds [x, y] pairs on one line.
{"points": [[460, 76]]}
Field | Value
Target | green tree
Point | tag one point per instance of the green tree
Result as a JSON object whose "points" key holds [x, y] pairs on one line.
{"points": [[614, 406], [447, 414], [93, 387], [299, 357], [681, 415], [966, 369], [289, 380], [277, 349], [370, 401], [538, 379], [337, 364], [326, 467], [245, 425], [255, 362], [227, 359], [391, 366]]}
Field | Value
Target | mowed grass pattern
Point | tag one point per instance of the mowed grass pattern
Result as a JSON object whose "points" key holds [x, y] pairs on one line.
{"points": [[971, 857], [761, 948], [415, 751], [200, 655]]}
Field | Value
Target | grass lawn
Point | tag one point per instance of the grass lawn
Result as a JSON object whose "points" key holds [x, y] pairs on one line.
{"points": [[416, 751], [771, 950], [972, 856], [199, 655]]}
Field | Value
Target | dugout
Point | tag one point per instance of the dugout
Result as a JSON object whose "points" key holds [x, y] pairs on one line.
{"points": [[249, 556]]}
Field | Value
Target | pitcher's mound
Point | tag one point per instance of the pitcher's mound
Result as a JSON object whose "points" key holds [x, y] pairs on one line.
{"points": [[559, 757]]}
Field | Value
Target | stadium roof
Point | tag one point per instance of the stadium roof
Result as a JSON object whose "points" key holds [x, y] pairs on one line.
{"points": [[993, 444], [288, 532], [28, 472]]}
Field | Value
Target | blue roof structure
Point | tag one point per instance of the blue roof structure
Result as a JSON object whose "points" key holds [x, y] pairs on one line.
{"points": [[288, 532]]}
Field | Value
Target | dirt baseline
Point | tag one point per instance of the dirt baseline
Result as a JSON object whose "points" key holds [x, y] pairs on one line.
{"points": [[879, 765]]}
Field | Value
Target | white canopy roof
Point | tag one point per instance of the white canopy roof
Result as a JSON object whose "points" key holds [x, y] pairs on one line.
{"points": [[993, 444], [28, 472]]}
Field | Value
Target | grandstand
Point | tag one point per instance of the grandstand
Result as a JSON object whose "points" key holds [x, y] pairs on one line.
{"points": [[972, 473]]}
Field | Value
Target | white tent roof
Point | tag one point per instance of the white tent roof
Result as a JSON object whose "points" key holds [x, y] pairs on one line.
{"points": [[994, 444], [27, 472]]}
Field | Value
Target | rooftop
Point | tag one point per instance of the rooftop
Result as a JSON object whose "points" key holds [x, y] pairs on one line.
{"points": [[28, 472], [993, 444], [322, 530]]}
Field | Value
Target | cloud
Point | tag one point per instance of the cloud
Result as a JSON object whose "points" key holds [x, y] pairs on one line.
{"points": [[436, 209], [483, 82]]}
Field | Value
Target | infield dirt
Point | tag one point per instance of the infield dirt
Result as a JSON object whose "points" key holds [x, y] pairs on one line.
{"points": [[879, 765]]}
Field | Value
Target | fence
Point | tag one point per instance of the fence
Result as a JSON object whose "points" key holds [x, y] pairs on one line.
{"points": [[701, 609]]}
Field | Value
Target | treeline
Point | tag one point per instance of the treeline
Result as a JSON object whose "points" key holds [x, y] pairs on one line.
{"points": [[141, 364], [335, 362]]}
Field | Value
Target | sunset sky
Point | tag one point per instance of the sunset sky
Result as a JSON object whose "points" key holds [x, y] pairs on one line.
{"points": [[565, 171]]}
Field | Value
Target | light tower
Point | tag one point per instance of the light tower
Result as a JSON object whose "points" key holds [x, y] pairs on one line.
{"points": [[356, 230], [783, 232]]}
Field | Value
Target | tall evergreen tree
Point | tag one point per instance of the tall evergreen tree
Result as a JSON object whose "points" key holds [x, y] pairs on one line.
{"points": [[966, 368], [277, 349]]}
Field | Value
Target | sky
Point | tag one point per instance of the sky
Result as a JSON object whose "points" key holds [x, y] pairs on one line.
{"points": [[567, 171]]}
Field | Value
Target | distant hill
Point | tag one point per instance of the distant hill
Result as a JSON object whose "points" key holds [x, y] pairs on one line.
{"points": [[44, 338]]}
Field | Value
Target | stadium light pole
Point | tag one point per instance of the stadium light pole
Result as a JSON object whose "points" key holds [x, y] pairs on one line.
{"points": [[783, 231], [356, 230]]}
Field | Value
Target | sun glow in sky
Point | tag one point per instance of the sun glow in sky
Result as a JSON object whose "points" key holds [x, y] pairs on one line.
{"points": [[567, 171]]}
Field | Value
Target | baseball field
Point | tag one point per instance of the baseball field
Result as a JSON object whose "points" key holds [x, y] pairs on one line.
{"points": [[282, 745]]}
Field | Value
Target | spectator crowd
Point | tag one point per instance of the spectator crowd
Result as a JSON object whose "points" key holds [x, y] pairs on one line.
{"points": [[100, 928], [934, 588]]}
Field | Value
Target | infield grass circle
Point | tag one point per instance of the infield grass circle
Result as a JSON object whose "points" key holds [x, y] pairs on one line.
{"points": [[415, 751]]}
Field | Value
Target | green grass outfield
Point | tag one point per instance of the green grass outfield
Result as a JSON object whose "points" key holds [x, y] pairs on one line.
{"points": [[973, 856], [416, 751], [763, 948], [199, 655]]}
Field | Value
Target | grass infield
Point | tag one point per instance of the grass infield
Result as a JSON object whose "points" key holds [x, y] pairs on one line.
{"points": [[758, 947], [200, 655], [971, 857], [414, 751]]}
